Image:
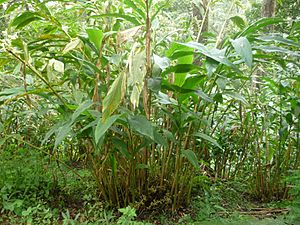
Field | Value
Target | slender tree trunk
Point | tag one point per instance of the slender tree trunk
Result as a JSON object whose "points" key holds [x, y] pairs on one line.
{"points": [[269, 8]]}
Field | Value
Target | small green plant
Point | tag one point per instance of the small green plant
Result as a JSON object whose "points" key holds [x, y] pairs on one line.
{"points": [[128, 217]]}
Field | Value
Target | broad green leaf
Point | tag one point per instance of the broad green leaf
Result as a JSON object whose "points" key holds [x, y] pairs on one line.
{"points": [[192, 80], [62, 134], [81, 108], [137, 73], [204, 96], [158, 138], [122, 147], [239, 21], [154, 84], [96, 37], [275, 49], [182, 69], [254, 27], [178, 54], [132, 4], [25, 18], [279, 39], [221, 82], [114, 96], [162, 62], [236, 96], [1, 127], [211, 65], [72, 45], [102, 127], [184, 59], [192, 158], [164, 99], [243, 47], [218, 98], [216, 54], [141, 125], [208, 138]]}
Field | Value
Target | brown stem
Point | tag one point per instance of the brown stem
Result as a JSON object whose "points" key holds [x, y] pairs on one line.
{"points": [[146, 93]]}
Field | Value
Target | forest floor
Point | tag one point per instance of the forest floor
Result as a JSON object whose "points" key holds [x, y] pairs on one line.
{"points": [[32, 191]]}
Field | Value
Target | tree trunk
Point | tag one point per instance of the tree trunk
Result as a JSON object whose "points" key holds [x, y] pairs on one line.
{"points": [[269, 8]]}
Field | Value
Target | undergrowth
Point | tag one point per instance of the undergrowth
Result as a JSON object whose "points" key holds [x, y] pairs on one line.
{"points": [[36, 190]]}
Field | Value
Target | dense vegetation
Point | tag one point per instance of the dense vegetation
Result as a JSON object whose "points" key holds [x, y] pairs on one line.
{"points": [[172, 111]]}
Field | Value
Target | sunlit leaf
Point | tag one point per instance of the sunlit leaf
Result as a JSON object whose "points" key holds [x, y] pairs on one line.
{"points": [[71, 46], [96, 37], [25, 18], [254, 27], [114, 96]]}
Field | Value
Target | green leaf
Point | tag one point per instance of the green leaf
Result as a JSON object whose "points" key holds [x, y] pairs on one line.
{"points": [[81, 108], [72, 45], [236, 96], [114, 96], [208, 138], [275, 49], [279, 39], [122, 147], [243, 47], [131, 19], [162, 62], [191, 156], [96, 37], [141, 125], [25, 18], [158, 10], [204, 96], [158, 138], [239, 21], [102, 127], [137, 73], [182, 69], [184, 61], [165, 99], [256, 26], [215, 54], [136, 8], [221, 82], [218, 98], [63, 132]]}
